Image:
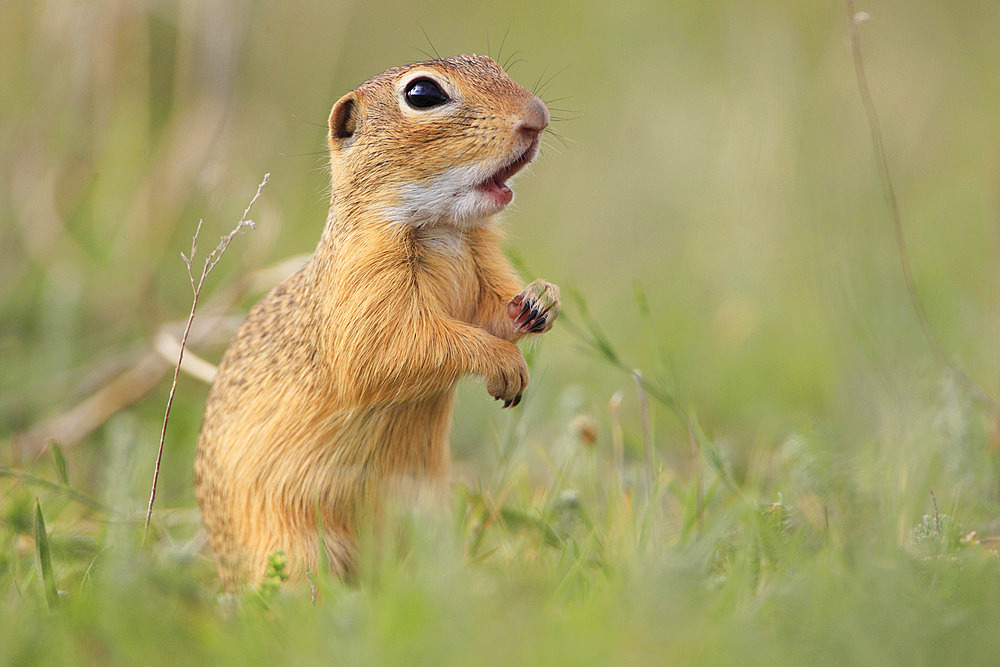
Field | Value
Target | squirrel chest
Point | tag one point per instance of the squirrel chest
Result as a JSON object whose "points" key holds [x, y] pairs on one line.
{"points": [[446, 269]]}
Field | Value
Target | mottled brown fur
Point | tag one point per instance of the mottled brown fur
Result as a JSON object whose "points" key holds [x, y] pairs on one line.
{"points": [[341, 380]]}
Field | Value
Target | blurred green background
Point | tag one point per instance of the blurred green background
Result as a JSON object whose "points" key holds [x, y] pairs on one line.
{"points": [[712, 156]]}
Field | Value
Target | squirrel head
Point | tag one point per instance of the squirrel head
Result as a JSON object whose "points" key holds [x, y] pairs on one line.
{"points": [[434, 142]]}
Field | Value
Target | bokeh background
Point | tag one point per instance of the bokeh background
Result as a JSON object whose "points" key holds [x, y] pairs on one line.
{"points": [[713, 157], [715, 153]]}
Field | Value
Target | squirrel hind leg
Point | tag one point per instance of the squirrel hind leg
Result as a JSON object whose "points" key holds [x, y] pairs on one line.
{"points": [[309, 551], [341, 553]]}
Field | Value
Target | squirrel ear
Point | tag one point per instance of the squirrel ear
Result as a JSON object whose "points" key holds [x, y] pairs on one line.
{"points": [[344, 119]]}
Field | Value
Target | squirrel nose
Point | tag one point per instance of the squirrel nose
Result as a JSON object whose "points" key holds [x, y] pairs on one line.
{"points": [[535, 117]]}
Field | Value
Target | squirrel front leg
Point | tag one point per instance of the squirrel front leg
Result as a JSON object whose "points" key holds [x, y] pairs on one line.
{"points": [[406, 359], [496, 360], [505, 309], [393, 345]]}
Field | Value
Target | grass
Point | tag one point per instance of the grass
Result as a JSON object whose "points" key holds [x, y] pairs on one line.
{"points": [[558, 556], [737, 446]]}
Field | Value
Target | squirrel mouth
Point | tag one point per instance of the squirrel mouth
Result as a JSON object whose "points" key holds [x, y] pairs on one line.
{"points": [[496, 185]]}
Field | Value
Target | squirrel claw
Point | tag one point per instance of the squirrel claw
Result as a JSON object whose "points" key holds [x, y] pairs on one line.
{"points": [[535, 309], [524, 310], [512, 402]]}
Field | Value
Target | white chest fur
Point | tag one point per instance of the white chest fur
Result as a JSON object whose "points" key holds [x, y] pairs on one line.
{"points": [[451, 197]]}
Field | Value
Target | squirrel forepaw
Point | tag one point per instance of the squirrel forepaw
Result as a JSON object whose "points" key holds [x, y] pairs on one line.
{"points": [[509, 379], [535, 309]]}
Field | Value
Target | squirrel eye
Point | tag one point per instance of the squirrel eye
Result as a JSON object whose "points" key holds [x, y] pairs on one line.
{"points": [[424, 93]]}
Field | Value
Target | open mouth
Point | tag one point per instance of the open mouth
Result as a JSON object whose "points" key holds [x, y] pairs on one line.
{"points": [[496, 185]]}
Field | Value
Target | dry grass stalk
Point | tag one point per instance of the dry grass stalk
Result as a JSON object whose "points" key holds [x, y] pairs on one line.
{"points": [[617, 438], [210, 262], [855, 19], [145, 372], [647, 428], [136, 379], [71, 426], [169, 348]]}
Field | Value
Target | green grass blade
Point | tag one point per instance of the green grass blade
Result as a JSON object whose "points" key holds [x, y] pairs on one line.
{"points": [[60, 463], [35, 480], [44, 557]]}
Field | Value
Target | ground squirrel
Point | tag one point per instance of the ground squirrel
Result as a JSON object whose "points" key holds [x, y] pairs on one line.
{"points": [[341, 380]]}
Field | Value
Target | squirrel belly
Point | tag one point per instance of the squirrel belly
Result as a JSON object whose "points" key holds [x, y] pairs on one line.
{"points": [[339, 385]]}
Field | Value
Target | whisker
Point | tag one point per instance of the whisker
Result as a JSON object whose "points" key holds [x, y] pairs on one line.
{"points": [[509, 65], [310, 122], [534, 88], [562, 140], [429, 42], [548, 82], [304, 154], [549, 147], [502, 42]]}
